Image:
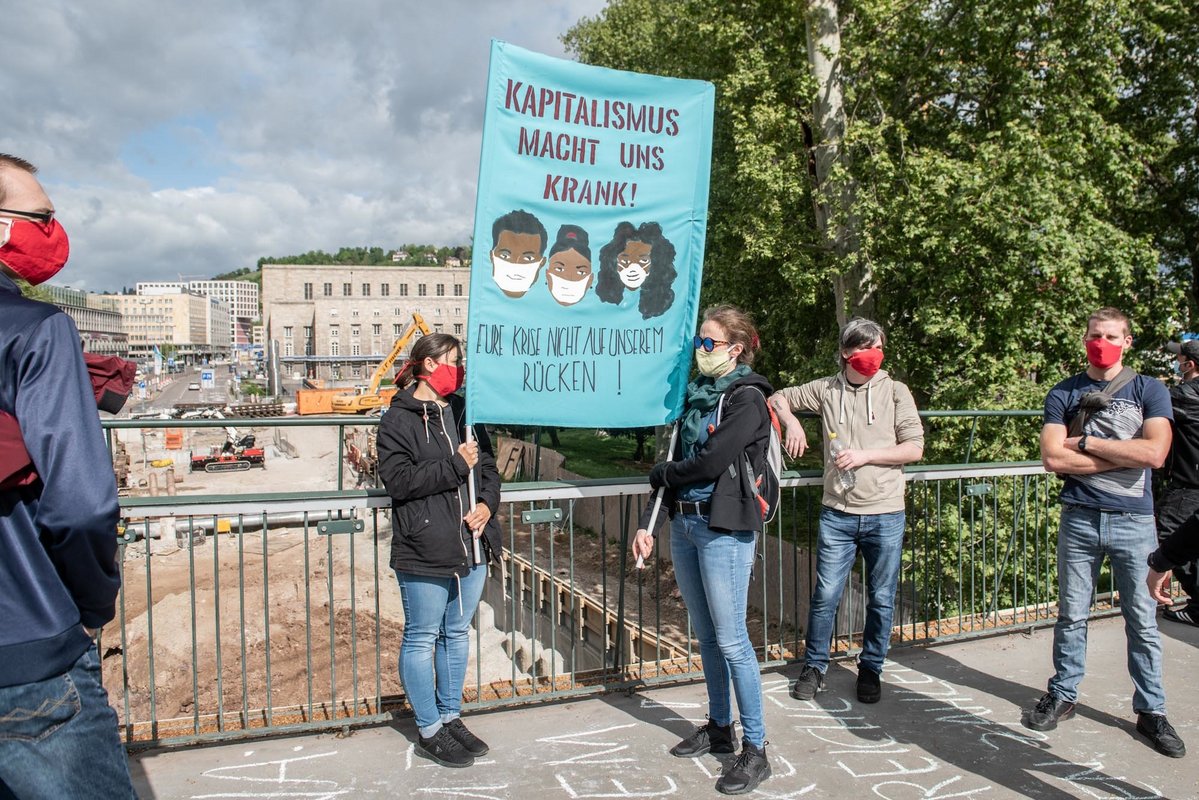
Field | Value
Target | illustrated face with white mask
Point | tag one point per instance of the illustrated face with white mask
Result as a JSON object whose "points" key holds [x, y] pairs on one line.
{"points": [[515, 261], [633, 264], [569, 276]]}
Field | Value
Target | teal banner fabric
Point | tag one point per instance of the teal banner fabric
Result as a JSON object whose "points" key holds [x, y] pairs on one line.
{"points": [[588, 243]]}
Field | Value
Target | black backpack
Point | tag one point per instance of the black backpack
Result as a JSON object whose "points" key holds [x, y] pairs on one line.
{"points": [[768, 484]]}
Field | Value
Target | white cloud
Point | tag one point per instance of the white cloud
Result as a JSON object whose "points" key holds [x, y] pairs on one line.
{"points": [[182, 138]]}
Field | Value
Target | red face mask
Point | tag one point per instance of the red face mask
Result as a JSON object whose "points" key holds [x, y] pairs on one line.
{"points": [[866, 362], [1102, 353], [445, 379], [31, 251]]}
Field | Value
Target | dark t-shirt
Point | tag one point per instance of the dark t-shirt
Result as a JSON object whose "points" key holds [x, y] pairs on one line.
{"points": [[1124, 488], [1182, 468]]}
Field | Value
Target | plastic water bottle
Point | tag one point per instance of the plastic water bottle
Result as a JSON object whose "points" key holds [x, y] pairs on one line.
{"points": [[846, 478]]}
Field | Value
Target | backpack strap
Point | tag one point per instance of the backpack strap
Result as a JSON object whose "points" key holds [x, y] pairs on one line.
{"points": [[1117, 383]]}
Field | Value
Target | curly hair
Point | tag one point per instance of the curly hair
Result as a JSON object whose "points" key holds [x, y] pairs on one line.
{"points": [[657, 293]]}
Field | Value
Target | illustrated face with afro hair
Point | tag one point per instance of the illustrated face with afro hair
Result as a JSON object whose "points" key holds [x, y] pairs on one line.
{"points": [[638, 259]]}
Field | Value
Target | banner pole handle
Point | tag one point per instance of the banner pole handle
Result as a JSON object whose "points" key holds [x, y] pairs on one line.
{"points": [[477, 554], [653, 516]]}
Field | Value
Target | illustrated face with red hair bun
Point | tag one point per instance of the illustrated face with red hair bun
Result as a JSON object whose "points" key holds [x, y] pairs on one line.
{"points": [[569, 274]]}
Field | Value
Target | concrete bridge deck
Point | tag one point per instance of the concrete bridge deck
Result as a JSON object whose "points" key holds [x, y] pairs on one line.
{"points": [[948, 726]]}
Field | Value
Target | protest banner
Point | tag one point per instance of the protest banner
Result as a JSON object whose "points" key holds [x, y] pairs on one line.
{"points": [[588, 244]]}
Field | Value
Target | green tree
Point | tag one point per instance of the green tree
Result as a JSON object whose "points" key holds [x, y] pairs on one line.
{"points": [[1002, 188], [34, 292]]}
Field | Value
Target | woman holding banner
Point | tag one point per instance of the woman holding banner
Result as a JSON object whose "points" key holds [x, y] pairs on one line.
{"points": [[715, 519], [425, 461]]}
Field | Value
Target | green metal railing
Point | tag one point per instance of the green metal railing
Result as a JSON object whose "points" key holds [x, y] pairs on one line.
{"points": [[252, 613]]}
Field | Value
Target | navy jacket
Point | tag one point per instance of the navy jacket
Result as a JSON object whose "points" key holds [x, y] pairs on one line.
{"points": [[58, 539], [427, 480]]}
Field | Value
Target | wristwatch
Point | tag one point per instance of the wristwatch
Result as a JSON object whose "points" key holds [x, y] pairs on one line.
{"points": [[1082, 443]]}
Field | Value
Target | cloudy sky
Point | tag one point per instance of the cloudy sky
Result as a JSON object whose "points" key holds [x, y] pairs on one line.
{"points": [[190, 137]]}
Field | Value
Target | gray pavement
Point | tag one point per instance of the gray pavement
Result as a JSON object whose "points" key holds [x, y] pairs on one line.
{"points": [[948, 726]]}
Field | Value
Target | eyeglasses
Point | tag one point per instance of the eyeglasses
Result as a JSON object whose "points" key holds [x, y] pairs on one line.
{"points": [[44, 217], [707, 343]]}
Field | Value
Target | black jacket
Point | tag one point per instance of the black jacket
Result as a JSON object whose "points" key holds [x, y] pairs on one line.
{"points": [[744, 429], [426, 478], [1180, 547], [1182, 467]]}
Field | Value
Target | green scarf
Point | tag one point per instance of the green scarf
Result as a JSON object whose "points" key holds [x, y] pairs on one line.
{"points": [[703, 394]]}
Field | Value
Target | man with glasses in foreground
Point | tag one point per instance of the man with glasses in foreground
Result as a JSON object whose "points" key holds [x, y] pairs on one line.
{"points": [[58, 574], [874, 420], [1104, 429]]}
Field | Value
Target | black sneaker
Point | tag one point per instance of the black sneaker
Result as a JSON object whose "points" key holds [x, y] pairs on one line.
{"points": [[471, 743], [710, 738], [443, 748], [1048, 712], [1186, 615], [750, 769], [809, 682], [870, 688], [1157, 729]]}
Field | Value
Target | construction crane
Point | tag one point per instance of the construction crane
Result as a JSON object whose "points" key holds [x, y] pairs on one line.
{"points": [[368, 398]]}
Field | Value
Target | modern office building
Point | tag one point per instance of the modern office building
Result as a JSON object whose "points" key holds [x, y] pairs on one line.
{"points": [[98, 318], [191, 326], [337, 323], [240, 297]]}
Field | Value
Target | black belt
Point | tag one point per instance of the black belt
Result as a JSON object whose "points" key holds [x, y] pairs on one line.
{"points": [[687, 507]]}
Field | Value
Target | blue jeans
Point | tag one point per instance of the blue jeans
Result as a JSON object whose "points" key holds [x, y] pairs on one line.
{"points": [[436, 643], [59, 738], [713, 570], [1086, 535], [880, 537]]}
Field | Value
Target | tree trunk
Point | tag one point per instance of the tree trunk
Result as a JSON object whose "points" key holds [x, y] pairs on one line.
{"points": [[853, 287]]}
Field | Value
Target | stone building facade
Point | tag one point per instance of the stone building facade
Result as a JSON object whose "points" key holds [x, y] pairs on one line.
{"points": [[337, 323]]}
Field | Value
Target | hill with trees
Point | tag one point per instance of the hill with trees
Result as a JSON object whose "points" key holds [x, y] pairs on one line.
{"points": [[417, 255]]}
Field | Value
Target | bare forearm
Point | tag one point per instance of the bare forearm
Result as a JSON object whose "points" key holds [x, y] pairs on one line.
{"points": [[783, 409], [1125, 453], [1072, 462], [902, 453]]}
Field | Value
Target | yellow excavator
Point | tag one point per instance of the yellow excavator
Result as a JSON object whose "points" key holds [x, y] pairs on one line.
{"points": [[368, 398]]}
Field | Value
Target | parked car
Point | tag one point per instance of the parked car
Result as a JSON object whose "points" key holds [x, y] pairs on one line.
{"points": [[193, 387]]}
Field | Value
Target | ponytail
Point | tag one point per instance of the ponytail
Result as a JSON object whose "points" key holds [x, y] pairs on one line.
{"points": [[433, 346]]}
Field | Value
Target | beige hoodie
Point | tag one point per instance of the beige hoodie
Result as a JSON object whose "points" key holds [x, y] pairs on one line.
{"points": [[879, 413]]}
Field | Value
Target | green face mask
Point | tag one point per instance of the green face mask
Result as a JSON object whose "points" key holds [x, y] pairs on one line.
{"points": [[712, 364]]}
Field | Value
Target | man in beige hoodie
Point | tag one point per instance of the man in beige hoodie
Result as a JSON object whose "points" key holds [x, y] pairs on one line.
{"points": [[871, 429]]}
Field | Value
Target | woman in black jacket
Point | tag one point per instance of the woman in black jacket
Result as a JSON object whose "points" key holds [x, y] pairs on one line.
{"points": [[424, 461], [708, 490]]}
